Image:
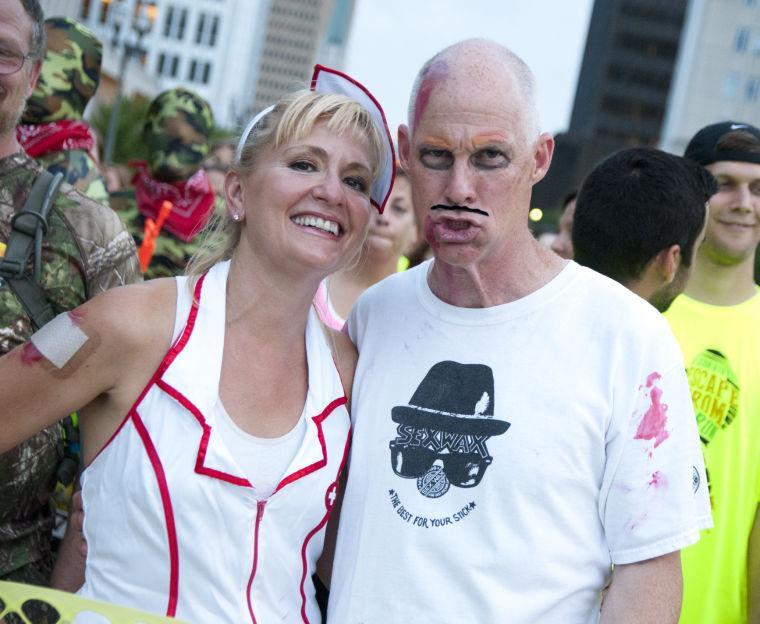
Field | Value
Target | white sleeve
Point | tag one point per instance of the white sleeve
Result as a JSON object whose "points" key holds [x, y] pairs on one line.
{"points": [[654, 497]]}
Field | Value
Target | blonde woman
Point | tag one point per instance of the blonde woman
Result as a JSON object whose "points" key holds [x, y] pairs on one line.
{"points": [[216, 423]]}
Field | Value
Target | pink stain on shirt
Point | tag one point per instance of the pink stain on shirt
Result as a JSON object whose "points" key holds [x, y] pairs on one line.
{"points": [[658, 480], [652, 425], [30, 354], [431, 77]]}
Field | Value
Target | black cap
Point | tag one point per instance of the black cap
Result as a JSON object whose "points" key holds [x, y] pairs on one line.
{"points": [[703, 148]]}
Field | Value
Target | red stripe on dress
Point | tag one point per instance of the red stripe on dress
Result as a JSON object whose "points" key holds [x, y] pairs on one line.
{"points": [[200, 459], [166, 501], [259, 515], [320, 434], [171, 354], [318, 528]]}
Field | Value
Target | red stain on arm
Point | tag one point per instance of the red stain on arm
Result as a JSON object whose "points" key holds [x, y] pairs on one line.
{"points": [[30, 354], [652, 425], [77, 316]]}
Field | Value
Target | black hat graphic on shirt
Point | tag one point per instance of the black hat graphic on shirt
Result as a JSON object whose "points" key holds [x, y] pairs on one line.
{"points": [[455, 398]]}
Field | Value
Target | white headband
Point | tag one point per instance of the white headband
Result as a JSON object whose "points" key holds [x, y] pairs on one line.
{"points": [[326, 80]]}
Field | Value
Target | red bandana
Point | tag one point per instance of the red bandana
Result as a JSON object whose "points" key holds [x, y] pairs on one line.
{"points": [[192, 200], [56, 136]]}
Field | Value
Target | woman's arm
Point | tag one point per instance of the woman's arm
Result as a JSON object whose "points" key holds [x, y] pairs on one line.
{"points": [[101, 350]]}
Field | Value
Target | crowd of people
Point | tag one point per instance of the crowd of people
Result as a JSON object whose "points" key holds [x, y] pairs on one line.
{"points": [[300, 377]]}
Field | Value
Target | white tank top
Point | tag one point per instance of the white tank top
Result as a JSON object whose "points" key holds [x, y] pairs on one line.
{"points": [[262, 460]]}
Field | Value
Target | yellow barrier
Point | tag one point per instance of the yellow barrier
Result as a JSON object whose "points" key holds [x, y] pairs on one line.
{"points": [[24, 603]]}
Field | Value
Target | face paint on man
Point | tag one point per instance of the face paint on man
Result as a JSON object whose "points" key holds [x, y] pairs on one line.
{"points": [[433, 75]]}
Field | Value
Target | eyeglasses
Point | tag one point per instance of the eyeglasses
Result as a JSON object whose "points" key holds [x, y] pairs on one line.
{"points": [[11, 62], [461, 469]]}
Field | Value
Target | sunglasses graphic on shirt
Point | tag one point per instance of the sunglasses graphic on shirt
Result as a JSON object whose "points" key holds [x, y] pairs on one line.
{"points": [[461, 469]]}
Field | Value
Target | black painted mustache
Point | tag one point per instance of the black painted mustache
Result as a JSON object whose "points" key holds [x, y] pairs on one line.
{"points": [[457, 207]]}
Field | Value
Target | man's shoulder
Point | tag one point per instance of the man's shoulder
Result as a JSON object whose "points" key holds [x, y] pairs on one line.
{"points": [[100, 235], [393, 287], [611, 299], [85, 215]]}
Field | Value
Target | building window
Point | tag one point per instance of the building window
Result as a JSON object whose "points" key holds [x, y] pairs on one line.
{"points": [[752, 89], [206, 73], [182, 23], [175, 22], [207, 29], [161, 64], [199, 30], [191, 70], [168, 21], [750, 3], [741, 40], [174, 67], [84, 10]]}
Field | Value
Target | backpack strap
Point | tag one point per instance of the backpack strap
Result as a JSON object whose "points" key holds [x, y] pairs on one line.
{"points": [[28, 226]]}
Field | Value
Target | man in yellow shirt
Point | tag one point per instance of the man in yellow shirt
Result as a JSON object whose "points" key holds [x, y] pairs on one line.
{"points": [[717, 323]]}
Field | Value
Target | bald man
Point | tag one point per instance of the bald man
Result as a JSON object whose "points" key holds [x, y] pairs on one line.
{"points": [[521, 423]]}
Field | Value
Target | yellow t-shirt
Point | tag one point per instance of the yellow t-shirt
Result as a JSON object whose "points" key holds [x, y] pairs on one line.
{"points": [[721, 348]]}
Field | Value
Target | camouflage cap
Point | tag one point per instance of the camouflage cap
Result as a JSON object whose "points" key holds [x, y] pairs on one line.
{"points": [[177, 129], [70, 72]]}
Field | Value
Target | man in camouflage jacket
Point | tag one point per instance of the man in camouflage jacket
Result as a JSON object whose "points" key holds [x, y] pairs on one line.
{"points": [[176, 134], [52, 129], [86, 250]]}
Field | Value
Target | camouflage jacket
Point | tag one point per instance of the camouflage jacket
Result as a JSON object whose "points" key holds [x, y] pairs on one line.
{"points": [[85, 252], [79, 170], [171, 254]]}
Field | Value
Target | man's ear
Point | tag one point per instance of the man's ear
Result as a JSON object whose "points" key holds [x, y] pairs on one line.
{"points": [[404, 146], [542, 156], [34, 74], [667, 262]]}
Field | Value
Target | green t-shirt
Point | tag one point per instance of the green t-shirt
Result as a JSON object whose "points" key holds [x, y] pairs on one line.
{"points": [[721, 348]]}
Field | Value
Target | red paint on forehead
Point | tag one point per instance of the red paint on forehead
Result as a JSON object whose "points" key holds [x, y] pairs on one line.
{"points": [[431, 77], [30, 354]]}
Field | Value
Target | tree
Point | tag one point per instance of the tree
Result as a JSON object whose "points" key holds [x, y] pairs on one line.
{"points": [[129, 125]]}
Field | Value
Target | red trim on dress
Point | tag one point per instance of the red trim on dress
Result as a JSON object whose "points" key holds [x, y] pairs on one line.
{"points": [[317, 465], [166, 501], [200, 466], [170, 356], [318, 528], [259, 515]]}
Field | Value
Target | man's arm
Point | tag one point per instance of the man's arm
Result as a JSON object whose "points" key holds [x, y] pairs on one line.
{"points": [[646, 592], [68, 573], [753, 572]]}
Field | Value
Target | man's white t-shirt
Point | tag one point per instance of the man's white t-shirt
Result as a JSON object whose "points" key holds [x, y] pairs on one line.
{"points": [[503, 458]]}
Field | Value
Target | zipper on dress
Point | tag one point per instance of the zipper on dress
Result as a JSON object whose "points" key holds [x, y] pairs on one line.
{"points": [[259, 515]]}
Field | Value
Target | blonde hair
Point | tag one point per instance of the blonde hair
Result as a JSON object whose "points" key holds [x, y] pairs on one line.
{"points": [[292, 119]]}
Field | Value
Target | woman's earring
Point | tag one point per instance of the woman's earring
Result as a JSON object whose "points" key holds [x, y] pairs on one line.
{"points": [[235, 217]]}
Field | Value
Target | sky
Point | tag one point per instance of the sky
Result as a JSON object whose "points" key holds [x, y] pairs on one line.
{"points": [[391, 39]]}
